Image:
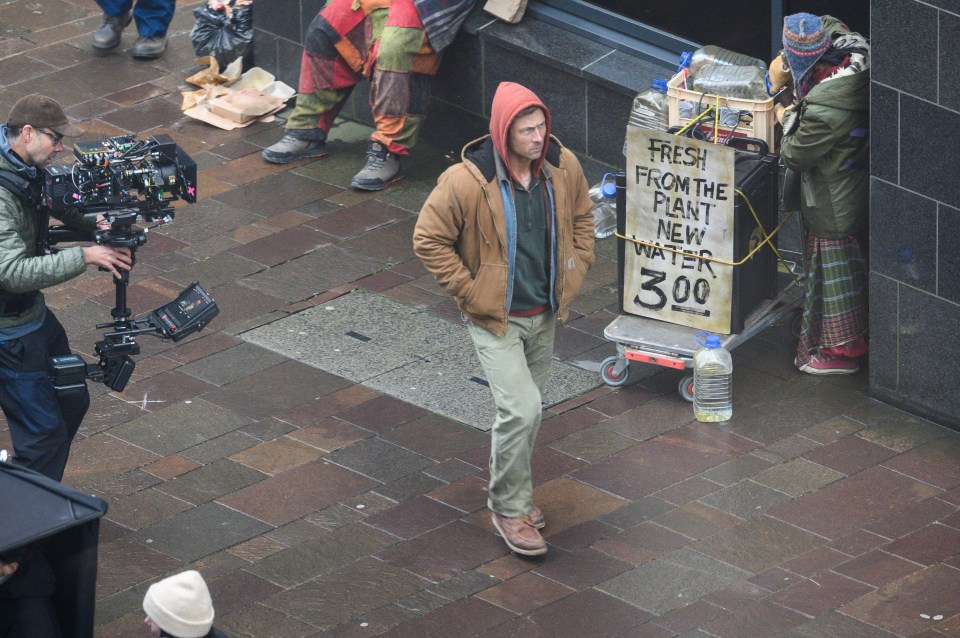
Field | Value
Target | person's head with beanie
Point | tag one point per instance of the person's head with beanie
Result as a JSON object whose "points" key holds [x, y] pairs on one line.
{"points": [[804, 42], [179, 606]]}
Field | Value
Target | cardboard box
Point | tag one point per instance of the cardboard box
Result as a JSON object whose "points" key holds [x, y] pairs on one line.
{"points": [[244, 105], [241, 101]]}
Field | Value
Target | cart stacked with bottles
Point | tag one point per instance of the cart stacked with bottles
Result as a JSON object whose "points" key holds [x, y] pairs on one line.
{"points": [[671, 285]]}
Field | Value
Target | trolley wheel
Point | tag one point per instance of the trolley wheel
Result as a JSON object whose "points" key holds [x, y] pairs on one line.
{"points": [[609, 374], [685, 388]]}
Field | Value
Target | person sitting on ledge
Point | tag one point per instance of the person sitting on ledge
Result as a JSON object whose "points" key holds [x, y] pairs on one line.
{"points": [[397, 45]]}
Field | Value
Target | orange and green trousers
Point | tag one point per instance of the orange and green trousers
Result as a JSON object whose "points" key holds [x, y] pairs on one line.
{"points": [[381, 40]]}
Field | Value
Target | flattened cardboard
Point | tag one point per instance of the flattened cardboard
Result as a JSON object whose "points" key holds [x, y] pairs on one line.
{"points": [[229, 101], [244, 105]]}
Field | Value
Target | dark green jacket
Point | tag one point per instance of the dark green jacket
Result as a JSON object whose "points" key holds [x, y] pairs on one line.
{"points": [[827, 148], [21, 269]]}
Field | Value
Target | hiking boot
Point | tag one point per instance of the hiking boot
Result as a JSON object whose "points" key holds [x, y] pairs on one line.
{"points": [[149, 48], [519, 534], [853, 349], [382, 167], [292, 148], [107, 37], [536, 518], [821, 363]]}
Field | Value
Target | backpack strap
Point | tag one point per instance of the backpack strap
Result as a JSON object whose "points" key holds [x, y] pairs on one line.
{"points": [[17, 184]]}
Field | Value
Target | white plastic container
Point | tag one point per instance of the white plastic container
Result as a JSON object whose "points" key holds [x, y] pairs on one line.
{"points": [[650, 109], [712, 380], [743, 82], [712, 54], [604, 196]]}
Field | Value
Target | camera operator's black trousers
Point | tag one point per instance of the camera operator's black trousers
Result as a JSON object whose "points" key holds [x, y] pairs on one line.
{"points": [[42, 425]]}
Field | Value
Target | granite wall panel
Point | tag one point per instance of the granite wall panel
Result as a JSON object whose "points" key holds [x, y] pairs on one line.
{"points": [[884, 333], [927, 374], [459, 81], [265, 50], [903, 235], [948, 253], [904, 46], [929, 153], [949, 79], [607, 114], [284, 22], [914, 200], [885, 133]]}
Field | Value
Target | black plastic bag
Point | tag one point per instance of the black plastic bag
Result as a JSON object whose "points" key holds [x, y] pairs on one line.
{"points": [[222, 37]]}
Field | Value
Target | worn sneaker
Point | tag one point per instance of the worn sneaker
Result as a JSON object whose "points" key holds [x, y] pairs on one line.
{"points": [[519, 534], [292, 148], [149, 48], [108, 36], [381, 169], [853, 349], [536, 518], [821, 363]]}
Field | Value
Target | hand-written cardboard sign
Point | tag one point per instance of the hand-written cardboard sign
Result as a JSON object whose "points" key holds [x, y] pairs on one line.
{"points": [[680, 197]]}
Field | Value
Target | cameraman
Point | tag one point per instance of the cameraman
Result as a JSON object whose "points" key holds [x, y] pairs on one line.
{"points": [[41, 424]]}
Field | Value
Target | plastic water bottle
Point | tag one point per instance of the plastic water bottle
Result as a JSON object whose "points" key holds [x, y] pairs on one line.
{"points": [[604, 196], [712, 380], [650, 109], [907, 262], [743, 82], [712, 54]]}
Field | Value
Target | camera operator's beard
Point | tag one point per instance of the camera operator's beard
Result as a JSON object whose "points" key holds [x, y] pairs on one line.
{"points": [[41, 159], [48, 160]]}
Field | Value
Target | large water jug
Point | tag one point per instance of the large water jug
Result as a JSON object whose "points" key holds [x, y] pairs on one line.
{"points": [[743, 82], [712, 54], [712, 380], [650, 109], [604, 200]]}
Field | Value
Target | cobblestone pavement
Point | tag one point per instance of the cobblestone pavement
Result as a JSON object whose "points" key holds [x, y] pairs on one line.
{"points": [[318, 506]]}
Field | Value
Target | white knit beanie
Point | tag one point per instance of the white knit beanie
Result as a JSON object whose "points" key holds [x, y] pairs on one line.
{"points": [[180, 605]]}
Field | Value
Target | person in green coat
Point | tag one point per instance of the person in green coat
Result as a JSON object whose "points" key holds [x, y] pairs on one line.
{"points": [[42, 423], [824, 147]]}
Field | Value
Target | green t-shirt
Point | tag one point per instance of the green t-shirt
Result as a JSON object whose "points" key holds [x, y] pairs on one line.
{"points": [[531, 278]]}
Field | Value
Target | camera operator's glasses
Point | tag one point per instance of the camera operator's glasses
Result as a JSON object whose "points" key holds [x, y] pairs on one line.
{"points": [[56, 137]]}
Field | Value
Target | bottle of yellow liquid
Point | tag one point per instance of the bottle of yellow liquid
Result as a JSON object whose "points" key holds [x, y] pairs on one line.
{"points": [[712, 380]]}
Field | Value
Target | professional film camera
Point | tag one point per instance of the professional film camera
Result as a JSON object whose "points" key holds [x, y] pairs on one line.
{"points": [[124, 180]]}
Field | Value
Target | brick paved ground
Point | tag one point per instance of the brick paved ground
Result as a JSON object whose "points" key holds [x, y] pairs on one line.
{"points": [[315, 506]]}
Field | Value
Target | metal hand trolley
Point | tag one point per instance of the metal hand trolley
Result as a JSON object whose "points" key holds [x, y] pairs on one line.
{"points": [[670, 345]]}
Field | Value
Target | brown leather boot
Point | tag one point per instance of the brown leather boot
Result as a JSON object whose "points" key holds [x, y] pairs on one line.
{"points": [[519, 534], [536, 518]]}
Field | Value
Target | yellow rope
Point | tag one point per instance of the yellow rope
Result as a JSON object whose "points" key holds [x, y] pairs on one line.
{"points": [[716, 122], [766, 240], [705, 113]]}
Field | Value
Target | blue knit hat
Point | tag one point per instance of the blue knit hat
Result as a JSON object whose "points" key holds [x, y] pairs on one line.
{"points": [[804, 41]]}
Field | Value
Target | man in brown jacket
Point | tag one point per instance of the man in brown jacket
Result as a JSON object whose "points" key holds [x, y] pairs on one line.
{"points": [[508, 233]]}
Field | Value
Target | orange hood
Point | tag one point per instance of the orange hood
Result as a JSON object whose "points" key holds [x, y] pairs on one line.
{"points": [[509, 100]]}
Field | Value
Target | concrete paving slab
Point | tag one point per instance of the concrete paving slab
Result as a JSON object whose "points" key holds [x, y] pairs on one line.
{"points": [[672, 581], [200, 531], [404, 352]]}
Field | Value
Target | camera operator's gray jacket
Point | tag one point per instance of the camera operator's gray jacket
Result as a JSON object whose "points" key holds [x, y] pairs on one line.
{"points": [[21, 269]]}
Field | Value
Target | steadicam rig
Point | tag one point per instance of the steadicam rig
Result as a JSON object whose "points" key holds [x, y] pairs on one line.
{"points": [[125, 180]]}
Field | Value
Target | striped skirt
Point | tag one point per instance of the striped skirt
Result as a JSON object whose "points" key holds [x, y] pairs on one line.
{"points": [[835, 296]]}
